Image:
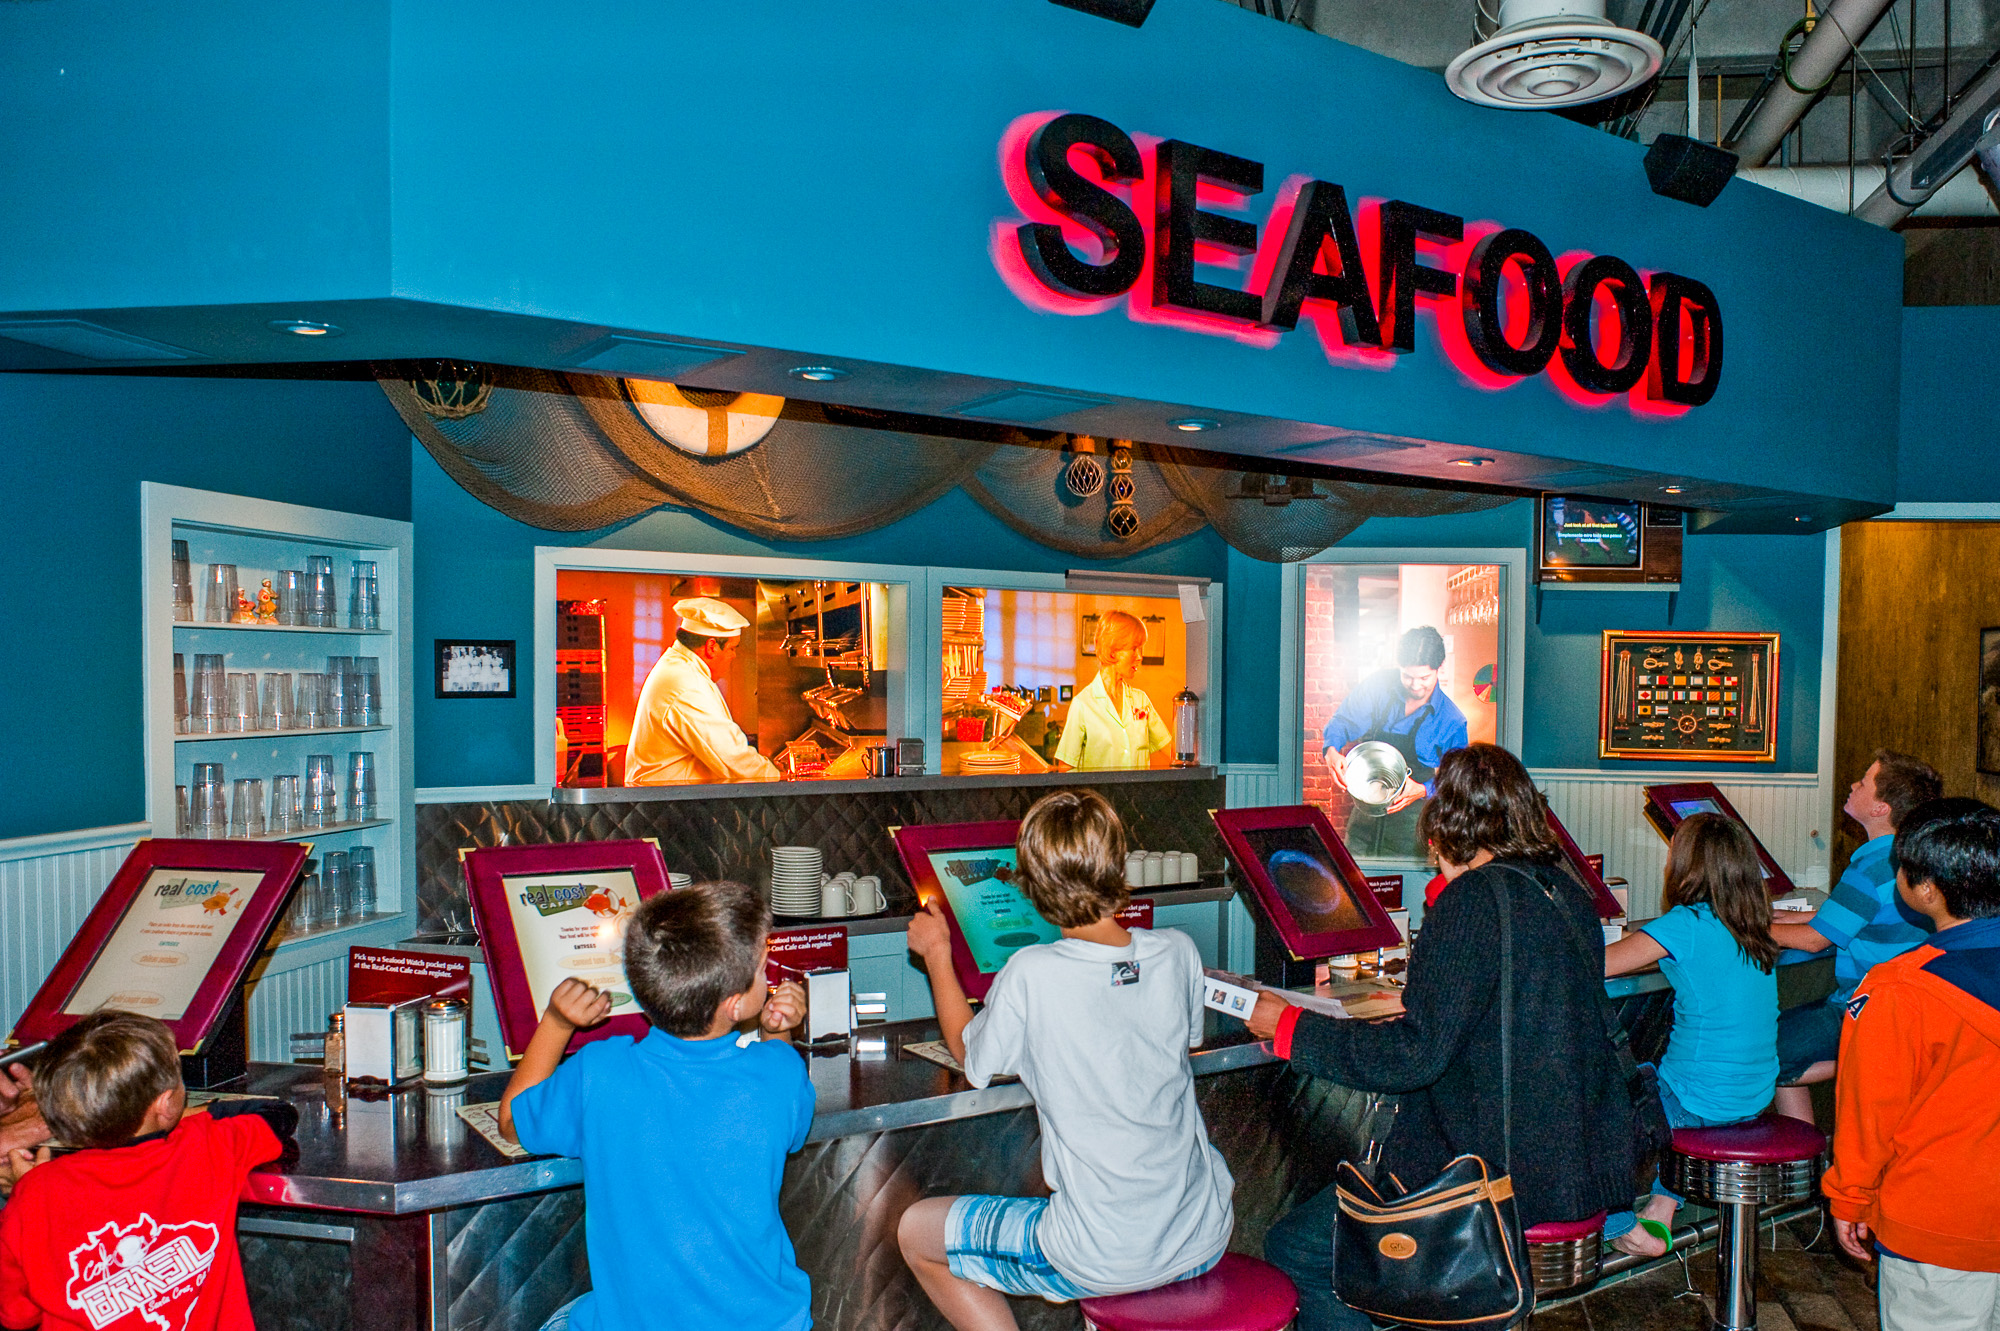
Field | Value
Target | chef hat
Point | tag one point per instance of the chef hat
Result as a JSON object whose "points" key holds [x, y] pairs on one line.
{"points": [[709, 617]]}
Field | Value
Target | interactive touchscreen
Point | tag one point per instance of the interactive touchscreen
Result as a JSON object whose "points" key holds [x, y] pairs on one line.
{"points": [[165, 943], [996, 917], [1689, 808], [1303, 872], [1589, 533], [1667, 807], [573, 924]]}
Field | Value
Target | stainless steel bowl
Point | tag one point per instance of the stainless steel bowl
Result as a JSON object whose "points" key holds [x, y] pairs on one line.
{"points": [[1373, 772]]}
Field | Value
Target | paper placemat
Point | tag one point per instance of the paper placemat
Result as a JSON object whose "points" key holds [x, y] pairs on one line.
{"points": [[936, 1051], [485, 1120]]}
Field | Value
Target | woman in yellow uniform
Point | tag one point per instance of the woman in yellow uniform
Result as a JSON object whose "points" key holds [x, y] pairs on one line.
{"points": [[1112, 723]]}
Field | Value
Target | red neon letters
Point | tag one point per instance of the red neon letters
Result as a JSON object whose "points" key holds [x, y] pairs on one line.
{"points": [[1660, 335]]}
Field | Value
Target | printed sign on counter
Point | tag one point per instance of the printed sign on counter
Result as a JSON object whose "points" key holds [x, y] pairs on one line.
{"points": [[1388, 889], [573, 924], [1138, 913], [389, 975], [812, 948], [165, 943]]}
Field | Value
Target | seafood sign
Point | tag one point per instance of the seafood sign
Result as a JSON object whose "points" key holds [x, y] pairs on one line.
{"points": [[572, 925], [163, 947]]}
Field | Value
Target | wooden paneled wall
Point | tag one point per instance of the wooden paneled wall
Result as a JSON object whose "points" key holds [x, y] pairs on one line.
{"points": [[1913, 597]]}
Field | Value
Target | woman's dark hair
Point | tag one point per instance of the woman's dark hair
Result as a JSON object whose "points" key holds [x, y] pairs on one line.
{"points": [[1486, 801], [1954, 845], [1071, 855], [1712, 860], [686, 951]]}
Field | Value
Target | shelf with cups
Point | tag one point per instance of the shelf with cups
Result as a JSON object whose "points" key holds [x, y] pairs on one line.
{"points": [[279, 734], [312, 714]]}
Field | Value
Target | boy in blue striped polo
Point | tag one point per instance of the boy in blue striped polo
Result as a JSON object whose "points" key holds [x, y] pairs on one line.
{"points": [[1864, 921]]}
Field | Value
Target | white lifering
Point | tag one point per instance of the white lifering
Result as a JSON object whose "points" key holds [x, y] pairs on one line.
{"points": [[706, 424]]}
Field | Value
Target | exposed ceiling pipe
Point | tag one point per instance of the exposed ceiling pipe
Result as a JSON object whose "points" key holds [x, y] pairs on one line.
{"points": [[1974, 124], [1839, 26], [1964, 195]]}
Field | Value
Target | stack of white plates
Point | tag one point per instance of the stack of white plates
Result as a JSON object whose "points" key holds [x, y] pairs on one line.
{"points": [[796, 872], [677, 881], [987, 762]]}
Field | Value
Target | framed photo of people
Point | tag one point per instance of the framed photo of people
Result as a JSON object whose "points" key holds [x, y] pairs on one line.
{"points": [[1689, 697]]}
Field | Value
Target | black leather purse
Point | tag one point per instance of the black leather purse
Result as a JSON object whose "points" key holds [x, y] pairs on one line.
{"points": [[1449, 1253]]}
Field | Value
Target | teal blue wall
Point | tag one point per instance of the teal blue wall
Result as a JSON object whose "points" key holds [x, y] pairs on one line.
{"points": [[1950, 441], [75, 449]]}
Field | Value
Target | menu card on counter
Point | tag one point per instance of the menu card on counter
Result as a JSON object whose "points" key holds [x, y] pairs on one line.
{"points": [[573, 924], [391, 975], [166, 942]]}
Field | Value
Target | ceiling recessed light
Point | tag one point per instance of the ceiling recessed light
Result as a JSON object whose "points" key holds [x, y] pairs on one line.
{"points": [[818, 374], [1470, 462], [305, 328], [1670, 489], [1194, 424]]}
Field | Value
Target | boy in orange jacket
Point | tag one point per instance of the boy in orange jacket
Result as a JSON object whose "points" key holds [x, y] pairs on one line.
{"points": [[1916, 1148]]}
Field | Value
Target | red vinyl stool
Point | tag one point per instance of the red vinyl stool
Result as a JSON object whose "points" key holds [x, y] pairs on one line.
{"points": [[1565, 1254], [1738, 1170], [1240, 1294]]}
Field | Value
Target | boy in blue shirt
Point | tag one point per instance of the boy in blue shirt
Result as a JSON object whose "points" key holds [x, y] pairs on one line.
{"points": [[1863, 921], [683, 1135]]}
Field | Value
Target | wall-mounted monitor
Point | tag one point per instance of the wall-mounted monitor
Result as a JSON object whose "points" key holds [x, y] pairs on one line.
{"points": [[1315, 896], [1581, 540], [1668, 806]]}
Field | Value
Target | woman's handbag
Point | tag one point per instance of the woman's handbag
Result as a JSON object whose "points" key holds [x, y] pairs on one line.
{"points": [[1449, 1253]]}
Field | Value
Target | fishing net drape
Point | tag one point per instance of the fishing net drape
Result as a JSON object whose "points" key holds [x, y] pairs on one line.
{"points": [[567, 452]]}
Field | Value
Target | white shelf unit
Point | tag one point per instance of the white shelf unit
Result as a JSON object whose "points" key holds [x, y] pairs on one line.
{"points": [[262, 537]]}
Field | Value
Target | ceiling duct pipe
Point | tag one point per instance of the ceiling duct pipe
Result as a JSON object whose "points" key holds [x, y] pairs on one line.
{"points": [[1542, 55], [1972, 128], [1964, 195], [1805, 76]]}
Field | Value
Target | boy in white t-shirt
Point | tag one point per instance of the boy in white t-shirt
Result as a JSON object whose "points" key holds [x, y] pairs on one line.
{"points": [[1097, 1025]]}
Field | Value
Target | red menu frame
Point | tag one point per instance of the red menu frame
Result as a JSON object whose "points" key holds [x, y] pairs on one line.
{"points": [[1660, 801], [278, 861], [915, 844], [486, 868], [1580, 865], [1380, 930]]}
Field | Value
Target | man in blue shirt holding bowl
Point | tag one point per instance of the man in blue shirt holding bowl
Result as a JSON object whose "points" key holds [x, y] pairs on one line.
{"points": [[1405, 709]]}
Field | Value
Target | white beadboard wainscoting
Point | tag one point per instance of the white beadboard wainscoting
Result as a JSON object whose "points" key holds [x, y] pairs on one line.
{"points": [[1250, 785], [48, 885]]}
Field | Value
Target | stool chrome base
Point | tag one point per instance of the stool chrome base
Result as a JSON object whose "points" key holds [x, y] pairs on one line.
{"points": [[1566, 1265], [1738, 1190]]}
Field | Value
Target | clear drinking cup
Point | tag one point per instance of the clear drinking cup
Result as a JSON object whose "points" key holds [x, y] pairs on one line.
{"points": [[239, 808], [320, 593], [274, 709], [253, 813], [208, 701], [339, 684], [208, 814], [242, 714], [180, 810], [180, 694], [311, 713], [334, 884], [364, 607], [219, 605], [286, 811], [367, 701], [322, 793], [183, 583], [290, 588], [361, 876], [305, 906], [360, 787]]}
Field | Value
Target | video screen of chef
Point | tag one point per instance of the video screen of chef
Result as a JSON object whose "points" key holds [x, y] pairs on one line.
{"points": [[687, 679], [1401, 666]]}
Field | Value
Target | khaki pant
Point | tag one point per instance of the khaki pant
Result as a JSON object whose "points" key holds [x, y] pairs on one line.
{"points": [[1920, 1297]]}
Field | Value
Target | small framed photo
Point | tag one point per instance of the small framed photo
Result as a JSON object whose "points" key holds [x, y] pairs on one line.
{"points": [[1086, 635], [475, 668], [1065, 692], [547, 913], [1989, 700], [172, 937]]}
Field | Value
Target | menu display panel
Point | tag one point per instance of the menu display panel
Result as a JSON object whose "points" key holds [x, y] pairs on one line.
{"points": [[1312, 892], [1667, 807], [550, 913], [969, 869], [171, 937]]}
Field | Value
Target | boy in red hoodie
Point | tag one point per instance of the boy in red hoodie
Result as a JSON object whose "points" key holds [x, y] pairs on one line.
{"points": [[138, 1231], [1916, 1148]]}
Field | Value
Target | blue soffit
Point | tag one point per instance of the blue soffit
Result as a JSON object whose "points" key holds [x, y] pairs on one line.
{"points": [[845, 186]]}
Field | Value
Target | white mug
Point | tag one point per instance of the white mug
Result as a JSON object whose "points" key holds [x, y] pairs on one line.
{"points": [[867, 894], [832, 899]]}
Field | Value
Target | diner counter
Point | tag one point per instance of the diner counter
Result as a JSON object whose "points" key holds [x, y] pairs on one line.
{"points": [[875, 784]]}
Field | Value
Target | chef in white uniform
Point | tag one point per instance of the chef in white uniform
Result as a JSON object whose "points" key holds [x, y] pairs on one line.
{"points": [[682, 733], [1112, 723]]}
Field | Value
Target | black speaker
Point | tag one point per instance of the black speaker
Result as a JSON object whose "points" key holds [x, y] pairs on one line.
{"points": [[1688, 169], [1132, 13]]}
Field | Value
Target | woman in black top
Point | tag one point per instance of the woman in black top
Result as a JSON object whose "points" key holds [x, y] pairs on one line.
{"points": [[1572, 1132]]}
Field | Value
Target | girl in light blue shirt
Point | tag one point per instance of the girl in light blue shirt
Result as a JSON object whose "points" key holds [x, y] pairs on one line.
{"points": [[1714, 946]]}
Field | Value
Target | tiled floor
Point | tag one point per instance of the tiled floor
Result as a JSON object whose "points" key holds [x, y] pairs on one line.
{"points": [[1798, 1289]]}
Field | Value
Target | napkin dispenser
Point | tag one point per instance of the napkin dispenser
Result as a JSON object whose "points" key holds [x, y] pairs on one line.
{"points": [[385, 1041], [829, 995]]}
